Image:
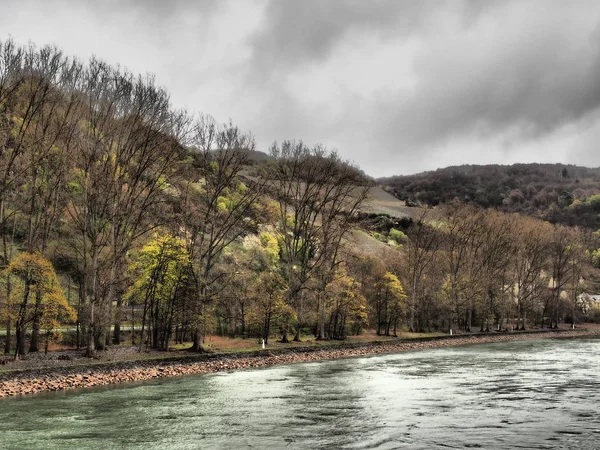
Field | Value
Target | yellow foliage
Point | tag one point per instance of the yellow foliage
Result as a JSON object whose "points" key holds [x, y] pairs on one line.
{"points": [[32, 273]]}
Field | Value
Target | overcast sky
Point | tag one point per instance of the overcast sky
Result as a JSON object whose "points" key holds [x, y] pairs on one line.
{"points": [[396, 86]]}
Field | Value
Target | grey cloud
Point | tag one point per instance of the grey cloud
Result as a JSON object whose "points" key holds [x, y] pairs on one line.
{"points": [[154, 10], [535, 80], [396, 85], [482, 69], [294, 32]]}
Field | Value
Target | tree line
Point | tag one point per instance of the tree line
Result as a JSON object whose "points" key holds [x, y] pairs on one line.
{"points": [[111, 199], [558, 193], [487, 270], [130, 200]]}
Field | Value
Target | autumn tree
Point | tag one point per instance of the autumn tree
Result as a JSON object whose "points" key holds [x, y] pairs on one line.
{"points": [[260, 255], [217, 207], [336, 225], [269, 303], [561, 251], [348, 311], [92, 192], [463, 238], [159, 271], [529, 261], [421, 249], [36, 276], [144, 160], [494, 256], [387, 300], [37, 101], [317, 194]]}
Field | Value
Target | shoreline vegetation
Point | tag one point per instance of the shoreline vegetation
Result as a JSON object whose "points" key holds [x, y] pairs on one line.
{"points": [[126, 220], [32, 381]]}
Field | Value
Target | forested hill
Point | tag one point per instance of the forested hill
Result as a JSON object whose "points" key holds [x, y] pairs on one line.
{"points": [[559, 193], [116, 208]]}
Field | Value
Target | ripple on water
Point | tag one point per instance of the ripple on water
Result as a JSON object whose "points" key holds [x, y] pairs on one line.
{"points": [[527, 394]]}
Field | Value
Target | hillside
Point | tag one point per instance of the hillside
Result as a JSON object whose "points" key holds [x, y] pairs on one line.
{"points": [[559, 193], [138, 223], [382, 202], [111, 198]]}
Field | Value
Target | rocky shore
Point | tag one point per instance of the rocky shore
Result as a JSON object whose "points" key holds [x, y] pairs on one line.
{"points": [[58, 379]]}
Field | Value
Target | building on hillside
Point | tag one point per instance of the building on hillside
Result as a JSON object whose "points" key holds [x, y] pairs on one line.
{"points": [[588, 301]]}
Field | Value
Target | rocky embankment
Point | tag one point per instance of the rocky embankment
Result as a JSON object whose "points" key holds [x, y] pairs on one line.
{"points": [[58, 379]]}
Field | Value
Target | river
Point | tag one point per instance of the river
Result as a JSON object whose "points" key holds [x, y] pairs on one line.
{"points": [[542, 394]]}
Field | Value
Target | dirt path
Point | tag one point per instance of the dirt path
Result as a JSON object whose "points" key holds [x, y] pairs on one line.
{"points": [[57, 379]]}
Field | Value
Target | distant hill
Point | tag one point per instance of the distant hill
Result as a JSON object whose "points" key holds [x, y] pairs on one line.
{"points": [[257, 156], [381, 202], [558, 193]]}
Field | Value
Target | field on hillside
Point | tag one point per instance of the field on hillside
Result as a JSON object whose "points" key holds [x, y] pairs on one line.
{"points": [[382, 202]]}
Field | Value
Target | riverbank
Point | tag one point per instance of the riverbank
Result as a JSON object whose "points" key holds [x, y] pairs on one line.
{"points": [[26, 382]]}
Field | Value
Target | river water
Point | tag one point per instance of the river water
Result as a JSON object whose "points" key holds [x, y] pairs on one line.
{"points": [[542, 394]]}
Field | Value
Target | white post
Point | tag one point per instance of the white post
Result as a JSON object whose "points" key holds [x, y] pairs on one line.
{"points": [[263, 344], [450, 331]]}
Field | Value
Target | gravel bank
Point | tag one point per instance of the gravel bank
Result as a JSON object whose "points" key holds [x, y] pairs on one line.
{"points": [[58, 379]]}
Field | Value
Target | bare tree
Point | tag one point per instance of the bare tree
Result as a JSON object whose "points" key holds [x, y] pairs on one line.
{"points": [[561, 252], [217, 208], [529, 260], [36, 88], [90, 211], [421, 251], [317, 194], [462, 230], [146, 151]]}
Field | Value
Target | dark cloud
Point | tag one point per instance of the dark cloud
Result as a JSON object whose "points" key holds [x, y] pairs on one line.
{"points": [[396, 85], [482, 70], [294, 32], [135, 10], [532, 75]]}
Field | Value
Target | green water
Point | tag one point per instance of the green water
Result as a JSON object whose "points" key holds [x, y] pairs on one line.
{"points": [[530, 394]]}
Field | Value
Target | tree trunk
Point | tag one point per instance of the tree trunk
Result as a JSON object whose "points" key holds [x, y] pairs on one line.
{"points": [[91, 348], [413, 301], [469, 319], [20, 335], [243, 321], [267, 328], [321, 317], [132, 325], [196, 342], [47, 343], [92, 332], [100, 338], [20, 325], [116, 339], [8, 336], [299, 327], [34, 345], [7, 258]]}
